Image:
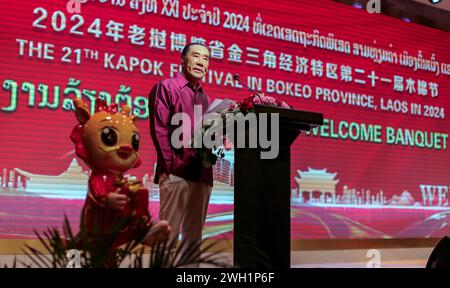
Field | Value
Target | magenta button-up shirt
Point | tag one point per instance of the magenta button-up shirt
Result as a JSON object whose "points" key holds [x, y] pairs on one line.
{"points": [[168, 97]]}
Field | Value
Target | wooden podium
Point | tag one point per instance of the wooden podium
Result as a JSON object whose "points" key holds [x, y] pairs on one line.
{"points": [[262, 194]]}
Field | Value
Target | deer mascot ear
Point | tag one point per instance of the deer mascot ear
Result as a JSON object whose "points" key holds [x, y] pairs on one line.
{"points": [[83, 115], [77, 139], [81, 111]]}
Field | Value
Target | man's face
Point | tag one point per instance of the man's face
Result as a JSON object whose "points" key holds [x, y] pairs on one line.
{"points": [[196, 63]]}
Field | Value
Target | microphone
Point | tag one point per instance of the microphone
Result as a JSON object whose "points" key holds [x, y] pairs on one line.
{"points": [[236, 78]]}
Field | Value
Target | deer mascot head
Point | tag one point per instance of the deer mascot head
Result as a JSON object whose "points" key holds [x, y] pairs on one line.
{"points": [[107, 140]]}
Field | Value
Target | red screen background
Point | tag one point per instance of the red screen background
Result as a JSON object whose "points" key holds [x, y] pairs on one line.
{"points": [[36, 139]]}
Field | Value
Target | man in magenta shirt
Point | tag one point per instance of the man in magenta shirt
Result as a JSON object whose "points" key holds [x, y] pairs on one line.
{"points": [[185, 185]]}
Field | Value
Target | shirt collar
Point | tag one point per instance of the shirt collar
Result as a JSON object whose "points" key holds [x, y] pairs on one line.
{"points": [[182, 82]]}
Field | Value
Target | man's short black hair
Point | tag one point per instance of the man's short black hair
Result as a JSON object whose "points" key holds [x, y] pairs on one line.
{"points": [[188, 46]]}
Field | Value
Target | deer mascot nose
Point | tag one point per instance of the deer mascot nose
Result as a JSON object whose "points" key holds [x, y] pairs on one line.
{"points": [[124, 151]]}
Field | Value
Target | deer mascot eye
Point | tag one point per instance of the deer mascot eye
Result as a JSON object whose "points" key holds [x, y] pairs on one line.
{"points": [[135, 141], [109, 136]]}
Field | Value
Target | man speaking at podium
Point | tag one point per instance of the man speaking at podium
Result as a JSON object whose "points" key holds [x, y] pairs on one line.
{"points": [[185, 185]]}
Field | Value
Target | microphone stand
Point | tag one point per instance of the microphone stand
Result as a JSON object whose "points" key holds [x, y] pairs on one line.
{"points": [[236, 78]]}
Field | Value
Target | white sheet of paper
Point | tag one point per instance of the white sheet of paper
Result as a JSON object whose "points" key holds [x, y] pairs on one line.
{"points": [[219, 105]]}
